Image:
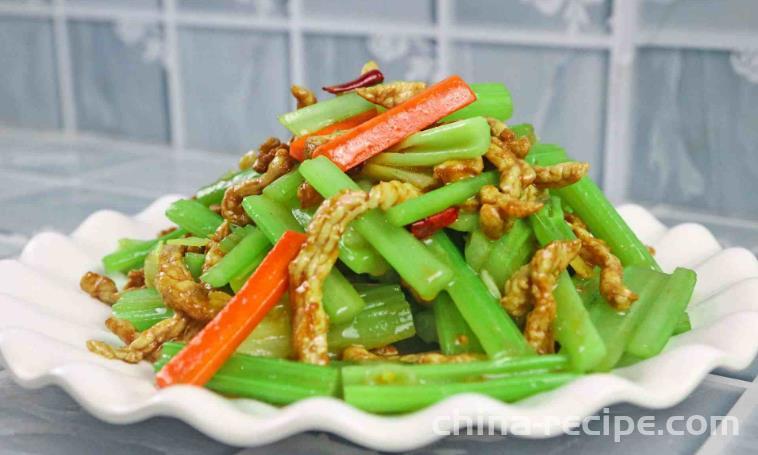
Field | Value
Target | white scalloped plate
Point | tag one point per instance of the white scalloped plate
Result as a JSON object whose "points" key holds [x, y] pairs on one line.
{"points": [[47, 320]]}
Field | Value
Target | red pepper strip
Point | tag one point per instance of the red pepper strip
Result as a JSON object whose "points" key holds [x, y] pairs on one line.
{"points": [[392, 126], [211, 348], [366, 79], [297, 147], [426, 228]]}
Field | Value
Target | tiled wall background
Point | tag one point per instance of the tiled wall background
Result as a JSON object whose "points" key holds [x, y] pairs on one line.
{"points": [[661, 96]]}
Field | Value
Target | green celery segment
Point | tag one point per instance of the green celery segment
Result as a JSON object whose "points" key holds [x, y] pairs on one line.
{"points": [[463, 139], [478, 249], [419, 177], [324, 113], [194, 217], [194, 263], [426, 327], [573, 327], [659, 323], [406, 398], [617, 327], [524, 130], [426, 274], [510, 252], [385, 373], [497, 333], [453, 332], [142, 307], [133, 256], [492, 100], [435, 201], [466, 222], [284, 189], [236, 260], [275, 381]]}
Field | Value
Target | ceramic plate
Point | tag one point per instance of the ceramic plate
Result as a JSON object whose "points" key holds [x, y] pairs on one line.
{"points": [[46, 321]]}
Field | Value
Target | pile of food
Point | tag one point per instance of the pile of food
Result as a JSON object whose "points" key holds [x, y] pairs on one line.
{"points": [[404, 245]]}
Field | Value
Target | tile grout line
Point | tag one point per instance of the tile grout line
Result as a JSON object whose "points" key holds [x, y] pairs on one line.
{"points": [[65, 72], [173, 67], [620, 76], [444, 11]]}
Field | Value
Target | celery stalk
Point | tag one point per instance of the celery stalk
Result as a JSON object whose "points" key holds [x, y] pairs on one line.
{"points": [[478, 248], [284, 189], [463, 139], [453, 333], [497, 333], [324, 113], [466, 222], [141, 307], [236, 260], [194, 217], [524, 130], [417, 266], [658, 324], [275, 381], [426, 327], [573, 327], [386, 373], [492, 100], [241, 278], [132, 257], [589, 202], [194, 263], [616, 328], [438, 200], [510, 252], [405, 398]]}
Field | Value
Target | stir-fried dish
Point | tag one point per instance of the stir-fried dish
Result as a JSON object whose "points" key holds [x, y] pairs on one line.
{"points": [[404, 244]]}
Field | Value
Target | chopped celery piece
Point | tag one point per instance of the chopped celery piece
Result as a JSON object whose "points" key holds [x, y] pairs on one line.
{"points": [[133, 257], [510, 252], [453, 333], [497, 333], [284, 189], [378, 324], [421, 178], [194, 217], [275, 381], [591, 205], [492, 100], [463, 139], [405, 398], [615, 327], [271, 337], [142, 307], [230, 241], [126, 243], [188, 241], [324, 113], [426, 328], [466, 222], [659, 322], [386, 373], [194, 263], [236, 260], [214, 193], [574, 329], [426, 274], [438, 200], [341, 301], [241, 278], [524, 130], [478, 248]]}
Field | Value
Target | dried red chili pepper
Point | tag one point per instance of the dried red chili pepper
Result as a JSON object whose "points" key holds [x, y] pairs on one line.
{"points": [[367, 79], [428, 226]]}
